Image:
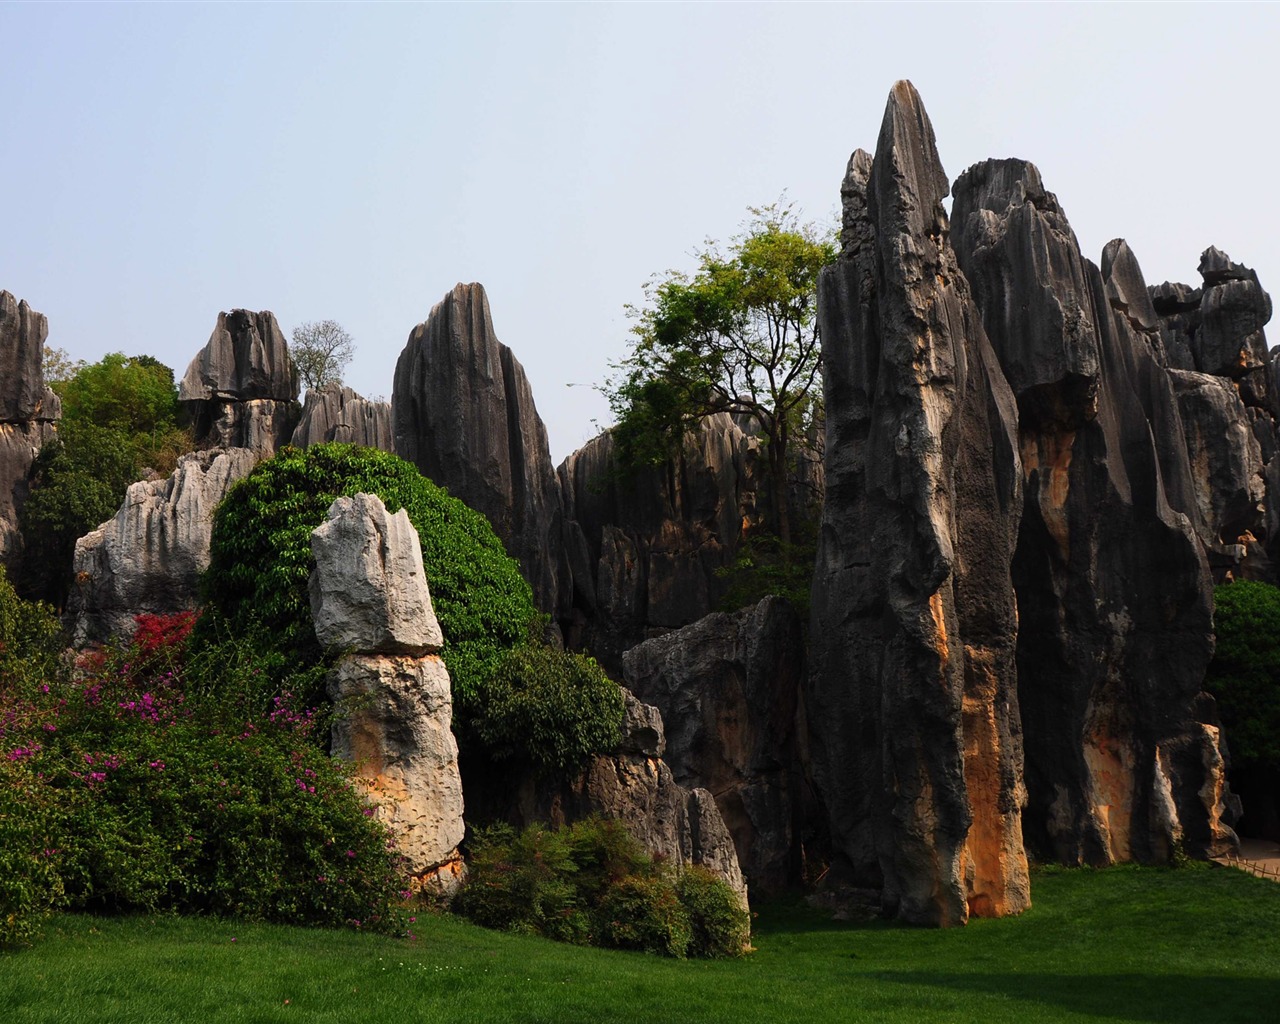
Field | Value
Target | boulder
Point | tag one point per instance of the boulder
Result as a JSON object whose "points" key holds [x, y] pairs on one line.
{"points": [[149, 557], [336, 413], [728, 688], [912, 698], [240, 390], [397, 733], [392, 691], [369, 588], [1114, 593], [463, 413]]}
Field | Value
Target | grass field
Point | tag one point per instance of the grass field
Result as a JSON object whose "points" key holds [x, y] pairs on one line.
{"points": [[1198, 945]]}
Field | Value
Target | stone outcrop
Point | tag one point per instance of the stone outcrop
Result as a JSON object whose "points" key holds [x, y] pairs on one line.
{"points": [[336, 413], [464, 415], [28, 412], [1217, 330], [912, 701], [683, 826], [1114, 593], [643, 548], [369, 593], [240, 390], [149, 557], [728, 688]]}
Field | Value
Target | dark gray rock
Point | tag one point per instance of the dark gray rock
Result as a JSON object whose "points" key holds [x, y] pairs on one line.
{"points": [[912, 698], [728, 688], [1114, 593], [240, 390], [23, 395], [28, 412], [643, 548], [336, 413], [464, 415]]}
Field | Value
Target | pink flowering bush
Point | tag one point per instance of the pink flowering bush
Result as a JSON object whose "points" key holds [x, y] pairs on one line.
{"points": [[134, 780]]}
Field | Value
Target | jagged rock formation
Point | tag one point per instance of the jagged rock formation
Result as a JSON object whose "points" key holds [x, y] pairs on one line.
{"points": [[1114, 594], [28, 411], [240, 390], [1217, 330], [912, 703], [150, 556], [336, 413], [635, 786], [643, 547], [464, 414], [369, 594], [728, 688]]}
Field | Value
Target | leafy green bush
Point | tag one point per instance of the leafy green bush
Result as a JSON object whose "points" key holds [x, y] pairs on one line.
{"points": [[1244, 675], [645, 914], [260, 558], [547, 707], [119, 418], [592, 882], [719, 925], [124, 785]]}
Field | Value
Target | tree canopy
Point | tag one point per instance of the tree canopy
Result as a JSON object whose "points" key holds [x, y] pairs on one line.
{"points": [[1244, 675], [320, 352], [739, 335]]}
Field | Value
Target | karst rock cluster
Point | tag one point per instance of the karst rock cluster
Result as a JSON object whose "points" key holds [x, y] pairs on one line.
{"points": [[1035, 467]]}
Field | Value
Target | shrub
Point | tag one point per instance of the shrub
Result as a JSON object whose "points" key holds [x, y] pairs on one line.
{"points": [[547, 707], [719, 926], [1244, 675], [645, 914], [125, 787], [260, 558], [593, 882]]}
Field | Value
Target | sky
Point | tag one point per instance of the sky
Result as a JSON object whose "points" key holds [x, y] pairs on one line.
{"points": [[163, 162]]}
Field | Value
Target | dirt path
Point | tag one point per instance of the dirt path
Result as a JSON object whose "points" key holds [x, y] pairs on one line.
{"points": [[1259, 857]]}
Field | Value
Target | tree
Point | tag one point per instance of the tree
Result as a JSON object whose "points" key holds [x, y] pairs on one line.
{"points": [[59, 366], [320, 352], [739, 336]]}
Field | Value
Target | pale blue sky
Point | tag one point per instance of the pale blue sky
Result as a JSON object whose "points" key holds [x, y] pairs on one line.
{"points": [[165, 162]]}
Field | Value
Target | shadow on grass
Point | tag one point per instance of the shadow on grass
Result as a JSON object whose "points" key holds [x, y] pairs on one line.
{"points": [[1165, 998]]}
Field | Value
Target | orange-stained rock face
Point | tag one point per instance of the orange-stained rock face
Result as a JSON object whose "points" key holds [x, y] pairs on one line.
{"points": [[997, 881]]}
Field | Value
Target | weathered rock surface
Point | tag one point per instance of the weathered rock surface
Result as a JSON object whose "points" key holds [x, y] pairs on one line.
{"points": [[240, 390], [728, 688], [399, 737], [397, 726], [1114, 594], [336, 413], [1217, 329], [149, 557], [643, 548], [28, 411], [464, 415], [912, 702], [369, 589]]}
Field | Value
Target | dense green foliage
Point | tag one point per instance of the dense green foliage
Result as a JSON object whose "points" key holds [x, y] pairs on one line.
{"points": [[1244, 675], [260, 558], [1126, 946], [548, 708], [119, 419], [763, 565], [125, 786], [740, 335], [592, 883]]}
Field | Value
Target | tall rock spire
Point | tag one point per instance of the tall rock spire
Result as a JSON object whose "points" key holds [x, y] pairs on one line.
{"points": [[912, 697]]}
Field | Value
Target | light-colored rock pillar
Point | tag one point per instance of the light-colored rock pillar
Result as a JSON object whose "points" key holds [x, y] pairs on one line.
{"points": [[369, 596]]}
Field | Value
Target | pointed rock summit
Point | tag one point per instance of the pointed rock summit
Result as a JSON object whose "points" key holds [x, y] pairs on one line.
{"points": [[912, 699], [463, 413]]}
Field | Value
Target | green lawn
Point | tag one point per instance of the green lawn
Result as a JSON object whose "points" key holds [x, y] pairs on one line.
{"points": [[1200, 946]]}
